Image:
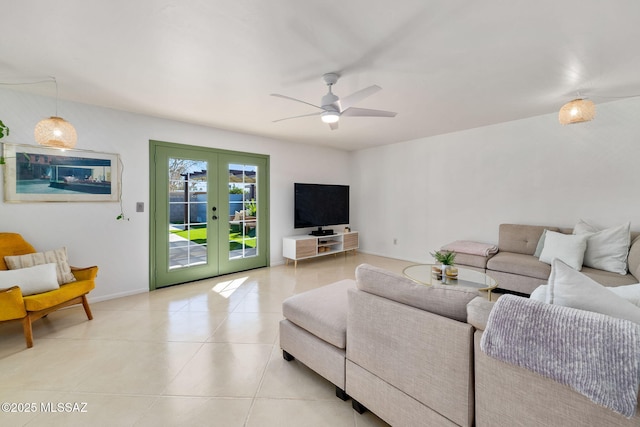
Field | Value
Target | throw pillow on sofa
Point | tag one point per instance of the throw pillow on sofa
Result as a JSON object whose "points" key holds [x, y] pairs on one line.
{"points": [[540, 244], [629, 292], [570, 288], [606, 249], [31, 280], [58, 256], [569, 248]]}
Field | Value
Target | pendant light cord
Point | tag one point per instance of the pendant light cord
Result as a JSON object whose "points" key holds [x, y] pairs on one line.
{"points": [[36, 82]]}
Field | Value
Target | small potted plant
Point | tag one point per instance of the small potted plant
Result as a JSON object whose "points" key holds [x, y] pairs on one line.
{"points": [[445, 259]]}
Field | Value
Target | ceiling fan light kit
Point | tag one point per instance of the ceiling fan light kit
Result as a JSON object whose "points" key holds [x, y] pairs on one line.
{"points": [[330, 116], [577, 111], [334, 107]]}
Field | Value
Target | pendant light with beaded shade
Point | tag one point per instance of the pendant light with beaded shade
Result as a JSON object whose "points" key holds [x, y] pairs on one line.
{"points": [[577, 111], [55, 131]]}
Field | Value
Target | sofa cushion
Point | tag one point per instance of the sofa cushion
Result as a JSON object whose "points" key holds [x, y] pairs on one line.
{"points": [[608, 278], [520, 239], [478, 311], [66, 293], [58, 256], [566, 247], [606, 249], [31, 280], [321, 311], [523, 265], [477, 261], [571, 288], [444, 300]]}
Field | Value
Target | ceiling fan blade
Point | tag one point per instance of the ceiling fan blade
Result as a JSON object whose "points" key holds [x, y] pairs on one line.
{"points": [[297, 100], [366, 112], [354, 98], [333, 126], [296, 117]]}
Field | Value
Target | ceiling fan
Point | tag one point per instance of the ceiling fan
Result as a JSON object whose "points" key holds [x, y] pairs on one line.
{"points": [[332, 107]]}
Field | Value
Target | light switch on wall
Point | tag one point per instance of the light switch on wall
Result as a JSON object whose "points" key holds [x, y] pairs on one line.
{"points": [[139, 206]]}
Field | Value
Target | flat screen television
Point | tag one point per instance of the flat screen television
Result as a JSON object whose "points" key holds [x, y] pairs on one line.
{"points": [[320, 205]]}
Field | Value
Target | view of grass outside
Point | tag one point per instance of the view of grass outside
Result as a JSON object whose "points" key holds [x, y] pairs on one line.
{"points": [[198, 234], [235, 241]]}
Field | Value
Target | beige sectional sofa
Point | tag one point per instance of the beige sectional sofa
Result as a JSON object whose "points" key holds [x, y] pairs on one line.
{"points": [[517, 269], [411, 354], [509, 395], [410, 350]]}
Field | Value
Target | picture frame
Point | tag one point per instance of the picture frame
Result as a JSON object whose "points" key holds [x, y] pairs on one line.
{"points": [[43, 174]]}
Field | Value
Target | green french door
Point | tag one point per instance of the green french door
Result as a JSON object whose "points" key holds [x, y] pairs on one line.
{"points": [[209, 212]]}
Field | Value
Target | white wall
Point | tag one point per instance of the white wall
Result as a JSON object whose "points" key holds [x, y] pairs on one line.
{"points": [[90, 231], [424, 193], [431, 191]]}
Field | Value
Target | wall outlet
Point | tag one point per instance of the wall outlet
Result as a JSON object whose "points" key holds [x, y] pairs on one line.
{"points": [[139, 206]]}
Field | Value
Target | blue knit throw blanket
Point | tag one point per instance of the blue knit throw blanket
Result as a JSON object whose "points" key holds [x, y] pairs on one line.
{"points": [[594, 354]]}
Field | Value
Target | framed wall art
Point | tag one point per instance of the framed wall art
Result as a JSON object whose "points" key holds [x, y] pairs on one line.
{"points": [[42, 174]]}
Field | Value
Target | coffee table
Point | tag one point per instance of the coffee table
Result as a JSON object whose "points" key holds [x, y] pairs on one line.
{"points": [[422, 273]]}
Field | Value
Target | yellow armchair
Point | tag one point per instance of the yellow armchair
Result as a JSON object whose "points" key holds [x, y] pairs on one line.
{"points": [[14, 306]]}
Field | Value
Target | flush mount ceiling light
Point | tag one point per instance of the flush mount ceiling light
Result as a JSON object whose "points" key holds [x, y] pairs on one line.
{"points": [[577, 111], [55, 131]]}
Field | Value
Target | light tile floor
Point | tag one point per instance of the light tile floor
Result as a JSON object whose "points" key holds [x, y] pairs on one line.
{"points": [[200, 354]]}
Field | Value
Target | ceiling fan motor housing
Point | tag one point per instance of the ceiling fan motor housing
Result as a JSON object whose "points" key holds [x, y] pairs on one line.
{"points": [[328, 100]]}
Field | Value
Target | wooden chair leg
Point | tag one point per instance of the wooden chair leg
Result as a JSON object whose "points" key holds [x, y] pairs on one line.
{"points": [[87, 309], [28, 331]]}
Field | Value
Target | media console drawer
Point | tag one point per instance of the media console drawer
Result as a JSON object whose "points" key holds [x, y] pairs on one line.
{"points": [[351, 241], [306, 248], [302, 247]]}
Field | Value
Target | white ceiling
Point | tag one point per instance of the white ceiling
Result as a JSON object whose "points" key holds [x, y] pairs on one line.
{"points": [[444, 65]]}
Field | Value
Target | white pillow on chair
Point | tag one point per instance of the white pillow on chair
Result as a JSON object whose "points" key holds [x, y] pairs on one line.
{"points": [[31, 280], [59, 256]]}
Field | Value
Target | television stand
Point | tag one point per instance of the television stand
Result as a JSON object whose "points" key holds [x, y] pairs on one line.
{"points": [[322, 232], [295, 248]]}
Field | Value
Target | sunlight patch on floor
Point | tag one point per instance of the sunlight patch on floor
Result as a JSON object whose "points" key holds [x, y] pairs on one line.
{"points": [[228, 287]]}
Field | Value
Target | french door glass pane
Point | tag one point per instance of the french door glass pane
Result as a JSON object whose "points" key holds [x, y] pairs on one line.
{"points": [[243, 211], [187, 213]]}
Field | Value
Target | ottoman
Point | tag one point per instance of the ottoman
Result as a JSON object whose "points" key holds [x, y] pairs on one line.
{"points": [[314, 331]]}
